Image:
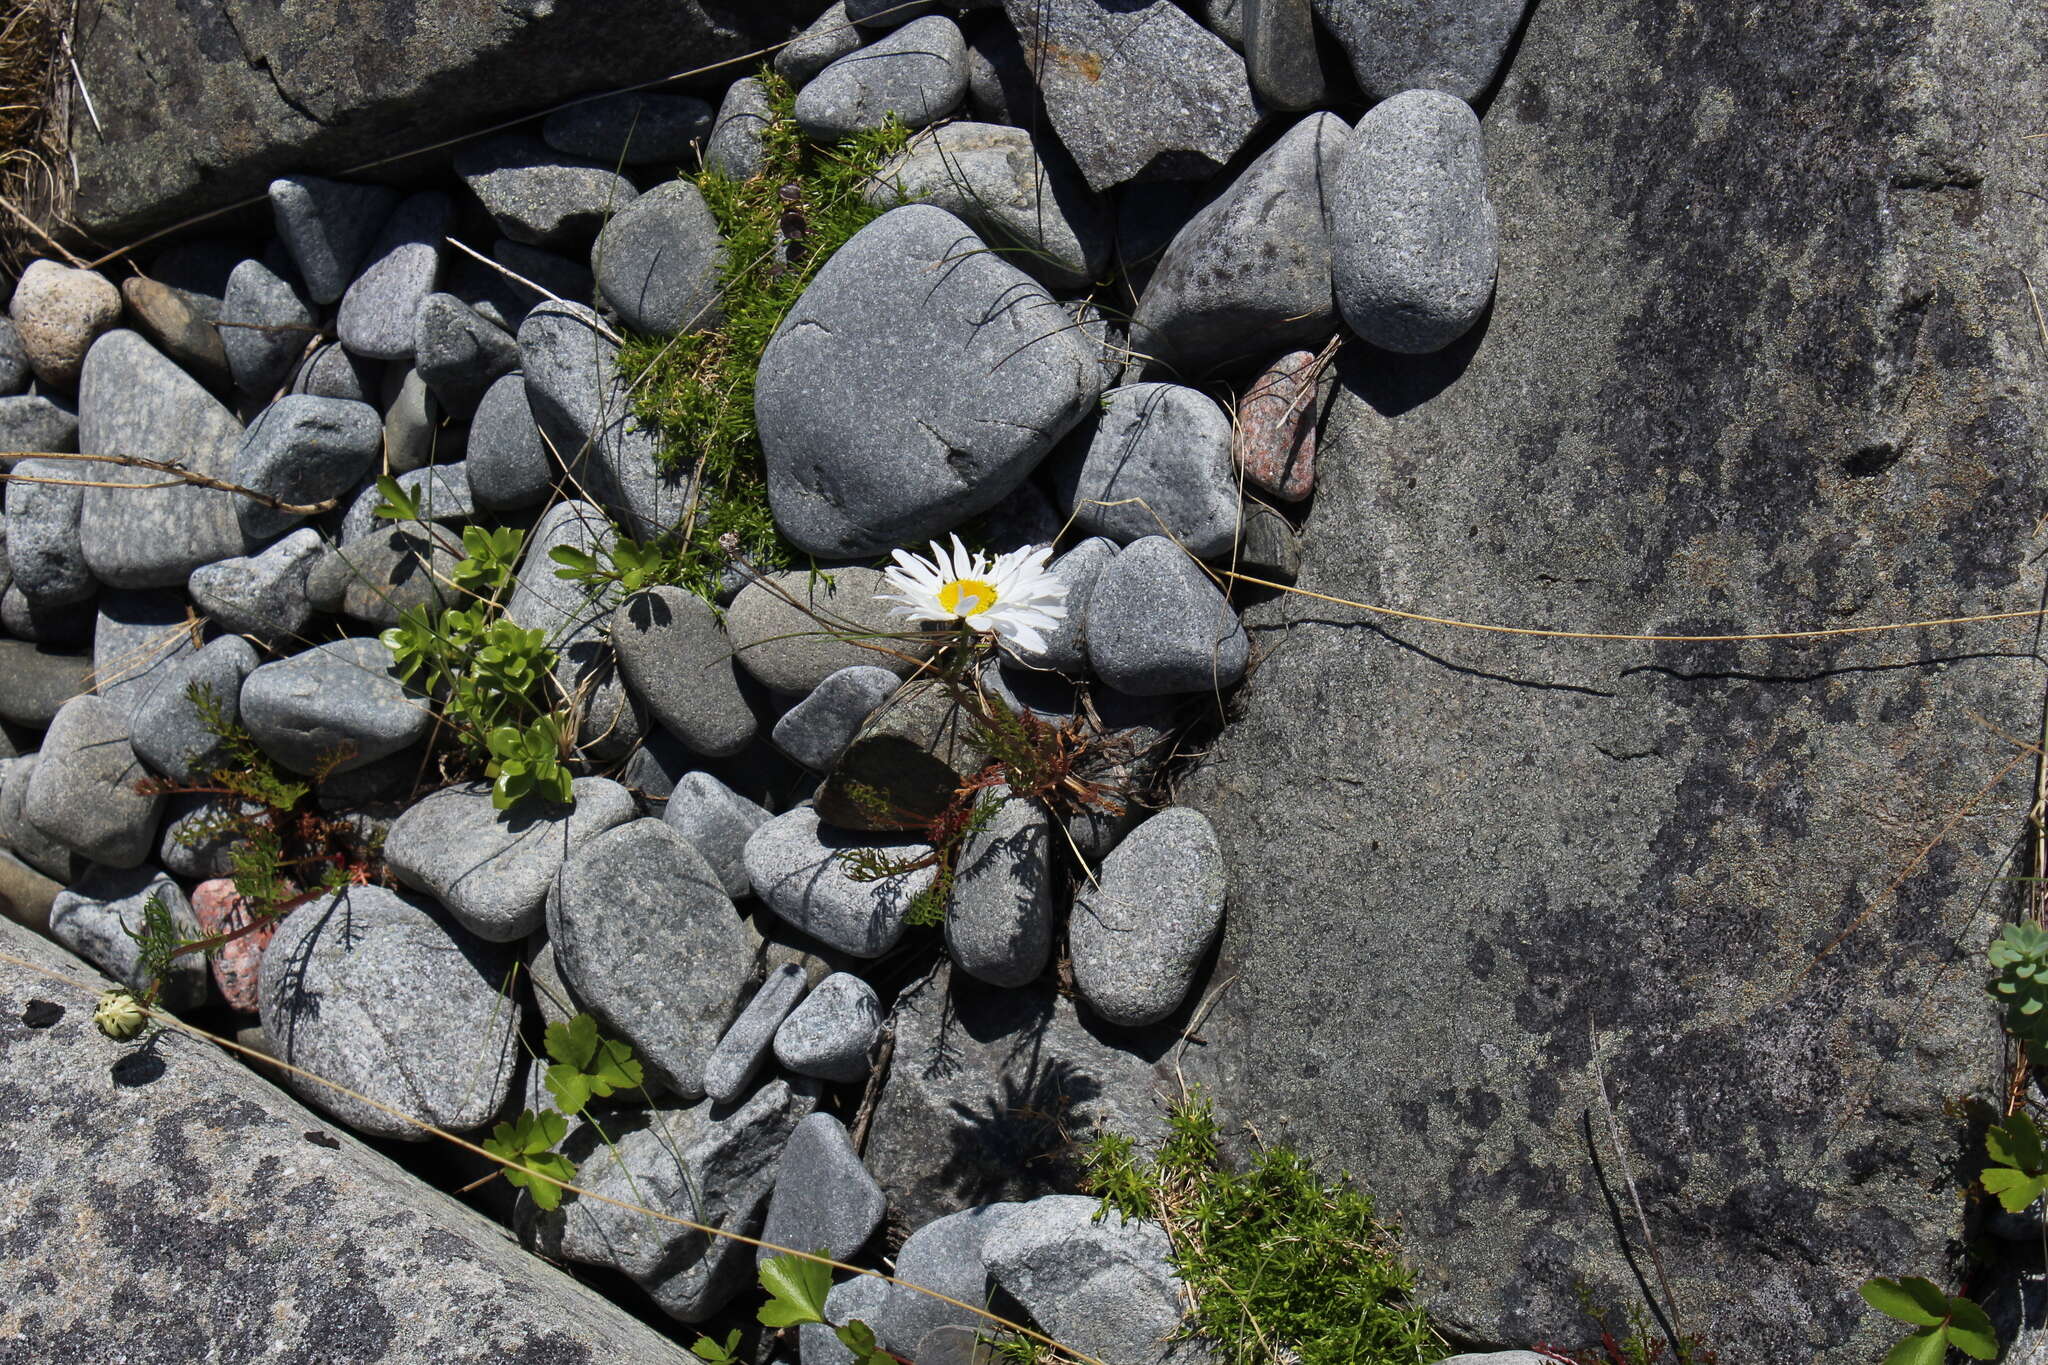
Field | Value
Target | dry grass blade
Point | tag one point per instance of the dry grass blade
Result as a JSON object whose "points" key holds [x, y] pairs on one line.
{"points": [[35, 91], [175, 474]]}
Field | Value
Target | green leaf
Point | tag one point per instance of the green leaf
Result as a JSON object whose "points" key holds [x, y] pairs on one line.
{"points": [[545, 1193], [570, 1087], [857, 1337], [398, 505], [615, 1068], [1911, 1299], [796, 1289], [575, 563], [1925, 1347], [2017, 1143], [707, 1349], [2014, 1189], [573, 1042], [1970, 1331]]}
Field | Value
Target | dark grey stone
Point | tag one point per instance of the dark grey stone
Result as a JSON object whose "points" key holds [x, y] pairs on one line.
{"points": [[957, 1345], [43, 550], [579, 400], [830, 37], [646, 937], [817, 729], [794, 864], [1139, 91], [918, 73], [14, 367], [636, 129], [717, 821], [1448, 45], [857, 1299], [1280, 54], [97, 917], [1157, 625], [1155, 461], [781, 628], [327, 227], [657, 262], [886, 14], [492, 869], [442, 492], [610, 720], [342, 697], [37, 422], [1103, 1286], [831, 1036], [1268, 547], [28, 843], [334, 372], [26, 619], [139, 638], [509, 468], [82, 793], [539, 196], [1066, 644], [1139, 930], [459, 353], [1415, 246], [39, 681], [379, 315], [195, 843], [412, 425], [1026, 198], [903, 769], [964, 1117], [171, 735], [567, 279], [735, 148], [1250, 274], [943, 1255], [392, 1000], [999, 921], [1000, 85], [134, 401], [736, 1061], [913, 352], [675, 656], [389, 569], [265, 322], [303, 450], [824, 1198]]}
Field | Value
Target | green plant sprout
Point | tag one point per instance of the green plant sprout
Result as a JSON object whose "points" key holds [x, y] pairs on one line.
{"points": [[1942, 1320], [2018, 1174], [528, 762], [527, 1142], [796, 1289], [586, 1064], [2021, 956]]}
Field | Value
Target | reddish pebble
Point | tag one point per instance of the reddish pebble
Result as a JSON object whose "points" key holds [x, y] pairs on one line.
{"points": [[220, 910], [1276, 428]]}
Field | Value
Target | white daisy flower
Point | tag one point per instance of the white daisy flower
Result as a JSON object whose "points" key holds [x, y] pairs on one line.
{"points": [[1011, 595]]}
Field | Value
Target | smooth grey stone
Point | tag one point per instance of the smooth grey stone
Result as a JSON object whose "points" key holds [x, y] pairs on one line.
{"points": [[334, 372], [1066, 644], [96, 916], [973, 1072], [942, 1255], [303, 450], [1027, 200], [717, 821], [817, 729], [956, 1345], [657, 262], [830, 37], [1269, 546], [918, 73], [580, 403], [1249, 275], [857, 1299], [999, 921], [907, 764], [82, 793], [27, 842], [509, 468], [24, 618], [492, 868], [610, 721], [1142, 91], [824, 1198], [14, 367], [265, 322], [634, 129], [57, 313], [412, 425], [567, 279], [171, 736], [1455, 46], [195, 842], [379, 315], [1106, 1288], [735, 149], [737, 1059], [1157, 625], [180, 324], [675, 656], [917, 381], [139, 639], [442, 492], [538, 196], [134, 401], [782, 627], [39, 681], [394, 1001], [390, 569], [1416, 246], [884, 14], [647, 938], [459, 353], [38, 422], [831, 1036], [1280, 54], [44, 553], [1001, 87], [794, 864], [342, 697], [652, 770], [328, 226], [1156, 461], [1138, 931]]}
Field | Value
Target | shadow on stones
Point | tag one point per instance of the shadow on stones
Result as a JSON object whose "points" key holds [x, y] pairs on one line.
{"points": [[139, 1067], [1394, 383]]}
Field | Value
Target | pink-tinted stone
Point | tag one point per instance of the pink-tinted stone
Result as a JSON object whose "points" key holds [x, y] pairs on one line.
{"points": [[1276, 428], [220, 910]]}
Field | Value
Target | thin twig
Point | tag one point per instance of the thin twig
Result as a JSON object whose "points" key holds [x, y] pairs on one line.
{"points": [[178, 475], [1628, 1179]]}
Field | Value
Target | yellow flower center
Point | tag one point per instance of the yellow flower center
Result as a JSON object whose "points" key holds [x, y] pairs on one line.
{"points": [[967, 596]]}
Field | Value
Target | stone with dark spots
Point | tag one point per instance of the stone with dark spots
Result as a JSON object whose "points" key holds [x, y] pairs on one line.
{"points": [[174, 734], [1456, 46], [537, 195], [83, 792], [379, 314], [1788, 403], [265, 322]]}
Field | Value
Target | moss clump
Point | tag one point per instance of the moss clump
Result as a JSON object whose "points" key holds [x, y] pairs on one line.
{"points": [[696, 392], [1283, 1264]]}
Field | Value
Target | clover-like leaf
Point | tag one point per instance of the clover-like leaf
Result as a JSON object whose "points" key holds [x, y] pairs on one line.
{"points": [[525, 1142], [1970, 1330], [796, 1290], [396, 504], [1908, 1299], [727, 1354], [572, 1042]]}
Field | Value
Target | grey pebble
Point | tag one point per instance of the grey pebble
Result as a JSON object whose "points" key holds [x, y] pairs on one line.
{"points": [[858, 1299], [1066, 644], [265, 322], [14, 367], [830, 37], [303, 450], [96, 916], [44, 553], [328, 226], [831, 1036], [509, 468], [657, 262], [781, 627], [794, 864], [333, 371], [379, 316], [1157, 625], [824, 1197], [195, 842], [817, 729], [412, 425], [1156, 461], [38, 422], [675, 656], [82, 793], [943, 1255], [737, 1059], [28, 843], [1280, 54], [717, 821], [138, 640], [458, 353], [999, 922], [1455, 46], [338, 698], [918, 73], [1103, 1286], [735, 149], [1138, 932], [537, 195], [39, 681], [171, 732]]}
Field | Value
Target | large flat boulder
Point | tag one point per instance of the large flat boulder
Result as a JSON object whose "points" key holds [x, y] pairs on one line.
{"points": [[1759, 359]]}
